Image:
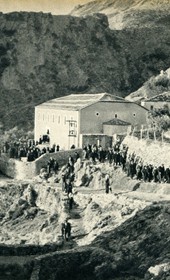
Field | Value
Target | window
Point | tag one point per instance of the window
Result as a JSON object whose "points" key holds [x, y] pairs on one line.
{"points": [[53, 118], [43, 117], [151, 107], [48, 118], [65, 120], [97, 114], [134, 114], [58, 119], [115, 116]]}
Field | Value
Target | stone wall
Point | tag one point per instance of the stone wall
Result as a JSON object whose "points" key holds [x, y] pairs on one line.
{"points": [[61, 157], [27, 170]]}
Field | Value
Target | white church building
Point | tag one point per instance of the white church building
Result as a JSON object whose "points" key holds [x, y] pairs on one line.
{"points": [[79, 119]]}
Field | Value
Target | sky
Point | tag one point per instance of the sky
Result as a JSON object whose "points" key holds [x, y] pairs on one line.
{"points": [[46, 6]]}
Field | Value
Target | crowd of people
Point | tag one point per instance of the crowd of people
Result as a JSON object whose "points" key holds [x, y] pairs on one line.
{"points": [[68, 177], [132, 164], [30, 149], [116, 155], [136, 168]]}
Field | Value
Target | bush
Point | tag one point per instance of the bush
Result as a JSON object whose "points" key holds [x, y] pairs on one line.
{"points": [[15, 135]]}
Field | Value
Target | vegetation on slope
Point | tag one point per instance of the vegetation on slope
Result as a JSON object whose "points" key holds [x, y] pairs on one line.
{"points": [[155, 86], [44, 56]]}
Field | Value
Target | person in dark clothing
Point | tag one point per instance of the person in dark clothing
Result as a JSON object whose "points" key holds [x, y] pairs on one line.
{"points": [[101, 155], [63, 230], [44, 150], [167, 174], [50, 165], [110, 156], [122, 160], [30, 156], [93, 155], [69, 186], [76, 156], [107, 183], [161, 169], [144, 173], [139, 171], [66, 230], [132, 168], [63, 182], [155, 174], [150, 172], [55, 166], [70, 201], [70, 167], [71, 177]]}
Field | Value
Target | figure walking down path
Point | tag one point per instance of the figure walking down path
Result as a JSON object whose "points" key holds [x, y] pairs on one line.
{"points": [[66, 230], [107, 183]]}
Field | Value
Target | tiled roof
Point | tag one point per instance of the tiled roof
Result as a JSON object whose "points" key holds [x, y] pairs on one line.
{"points": [[77, 102], [116, 121], [164, 97]]}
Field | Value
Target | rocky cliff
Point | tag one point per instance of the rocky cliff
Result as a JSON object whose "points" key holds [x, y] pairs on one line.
{"points": [[44, 56], [123, 14]]}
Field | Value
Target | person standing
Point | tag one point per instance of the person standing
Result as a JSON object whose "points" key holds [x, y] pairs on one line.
{"points": [[67, 230], [107, 183], [70, 201]]}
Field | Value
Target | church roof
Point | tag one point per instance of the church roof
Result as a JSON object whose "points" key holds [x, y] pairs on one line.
{"points": [[76, 102], [116, 121]]}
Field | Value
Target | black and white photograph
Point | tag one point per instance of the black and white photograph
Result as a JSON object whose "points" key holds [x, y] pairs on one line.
{"points": [[84, 139]]}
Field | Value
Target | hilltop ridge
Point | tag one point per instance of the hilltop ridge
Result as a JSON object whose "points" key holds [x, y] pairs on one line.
{"points": [[128, 13]]}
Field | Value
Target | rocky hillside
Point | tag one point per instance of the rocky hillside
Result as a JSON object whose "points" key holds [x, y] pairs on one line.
{"points": [[155, 86], [121, 236], [130, 13], [44, 56]]}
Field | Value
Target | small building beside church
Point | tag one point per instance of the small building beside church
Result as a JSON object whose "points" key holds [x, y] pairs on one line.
{"points": [[116, 126], [157, 102], [79, 119]]}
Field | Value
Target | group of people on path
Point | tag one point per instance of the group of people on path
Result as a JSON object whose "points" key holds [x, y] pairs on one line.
{"points": [[136, 168], [30, 149], [68, 177], [116, 155], [132, 164]]}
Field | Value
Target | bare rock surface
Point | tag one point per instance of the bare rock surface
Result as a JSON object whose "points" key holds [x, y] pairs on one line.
{"points": [[124, 233]]}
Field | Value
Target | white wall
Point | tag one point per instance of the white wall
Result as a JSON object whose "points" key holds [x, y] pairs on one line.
{"points": [[57, 123], [154, 105]]}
